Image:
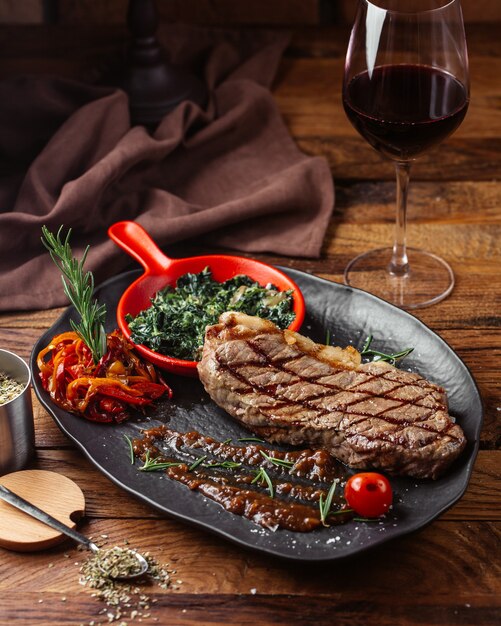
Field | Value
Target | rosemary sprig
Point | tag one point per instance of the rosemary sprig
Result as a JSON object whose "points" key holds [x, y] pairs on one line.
{"points": [[226, 441], [131, 449], [277, 462], [200, 459], [382, 356], [154, 465], [325, 505], [250, 440], [224, 464], [328, 337], [78, 287], [263, 478], [341, 512]]}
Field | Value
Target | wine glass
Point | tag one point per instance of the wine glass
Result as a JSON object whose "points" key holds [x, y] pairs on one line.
{"points": [[405, 89]]}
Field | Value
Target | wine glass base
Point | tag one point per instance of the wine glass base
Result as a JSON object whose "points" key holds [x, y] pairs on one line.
{"points": [[429, 279]]}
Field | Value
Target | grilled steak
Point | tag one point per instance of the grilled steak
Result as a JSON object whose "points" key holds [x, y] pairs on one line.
{"points": [[288, 389]]}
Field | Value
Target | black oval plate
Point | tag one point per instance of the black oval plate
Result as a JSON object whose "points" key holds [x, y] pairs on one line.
{"points": [[349, 315]]}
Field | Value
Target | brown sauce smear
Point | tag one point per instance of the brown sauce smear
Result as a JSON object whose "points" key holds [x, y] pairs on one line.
{"points": [[296, 489]]}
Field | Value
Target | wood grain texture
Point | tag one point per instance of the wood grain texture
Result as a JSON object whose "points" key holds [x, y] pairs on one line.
{"points": [[248, 610], [465, 551], [196, 11], [218, 11], [310, 100], [473, 10], [458, 552], [331, 41]]}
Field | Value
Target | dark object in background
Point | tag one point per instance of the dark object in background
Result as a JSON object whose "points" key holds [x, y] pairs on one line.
{"points": [[154, 86]]}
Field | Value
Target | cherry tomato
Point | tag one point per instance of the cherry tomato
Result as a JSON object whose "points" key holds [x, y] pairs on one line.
{"points": [[369, 494]]}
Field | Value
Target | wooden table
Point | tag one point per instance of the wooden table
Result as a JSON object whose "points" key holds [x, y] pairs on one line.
{"points": [[449, 572]]}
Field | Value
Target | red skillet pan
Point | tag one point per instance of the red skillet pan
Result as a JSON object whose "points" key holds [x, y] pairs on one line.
{"points": [[161, 271]]}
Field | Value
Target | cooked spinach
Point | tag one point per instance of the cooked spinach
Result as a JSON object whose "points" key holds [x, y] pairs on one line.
{"points": [[175, 322]]}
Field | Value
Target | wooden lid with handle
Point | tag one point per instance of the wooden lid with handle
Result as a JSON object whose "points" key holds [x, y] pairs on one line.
{"points": [[54, 493]]}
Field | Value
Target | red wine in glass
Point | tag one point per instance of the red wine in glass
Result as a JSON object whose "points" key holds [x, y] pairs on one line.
{"points": [[402, 110], [405, 90]]}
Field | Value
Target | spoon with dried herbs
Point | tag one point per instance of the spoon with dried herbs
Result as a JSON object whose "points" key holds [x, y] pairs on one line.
{"points": [[116, 563]]}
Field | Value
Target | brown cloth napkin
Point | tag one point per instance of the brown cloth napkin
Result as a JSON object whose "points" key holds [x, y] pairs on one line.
{"points": [[231, 174]]}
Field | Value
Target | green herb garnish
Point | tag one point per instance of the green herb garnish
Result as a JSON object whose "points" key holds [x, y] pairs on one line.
{"points": [[79, 287], [325, 505], [154, 465], [250, 440], [382, 356], [277, 462], [131, 449], [200, 459], [224, 464], [263, 478], [175, 322], [340, 512]]}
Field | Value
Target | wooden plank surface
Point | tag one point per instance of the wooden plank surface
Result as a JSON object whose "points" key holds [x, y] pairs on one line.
{"points": [[216, 11], [473, 10], [395, 586], [456, 549], [446, 574], [196, 11]]}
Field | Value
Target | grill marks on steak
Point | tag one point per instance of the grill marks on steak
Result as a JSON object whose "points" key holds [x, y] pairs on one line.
{"points": [[284, 388], [352, 394]]}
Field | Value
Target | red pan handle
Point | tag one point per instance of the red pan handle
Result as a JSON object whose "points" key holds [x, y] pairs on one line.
{"points": [[132, 238]]}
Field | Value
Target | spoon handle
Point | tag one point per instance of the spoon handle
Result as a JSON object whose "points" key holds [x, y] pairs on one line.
{"points": [[12, 498]]}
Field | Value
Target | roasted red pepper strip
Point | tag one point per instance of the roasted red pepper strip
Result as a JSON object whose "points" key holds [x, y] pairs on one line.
{"points": [[101, 392], [151, 390], [119, 394]]}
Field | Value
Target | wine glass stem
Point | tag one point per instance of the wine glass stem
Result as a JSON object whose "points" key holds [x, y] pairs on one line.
{"points": [[399, 264]]}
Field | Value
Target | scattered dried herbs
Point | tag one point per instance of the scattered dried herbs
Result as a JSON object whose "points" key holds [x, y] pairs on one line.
{"points": [[116, 562], [125, 600], [9, 388]]}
